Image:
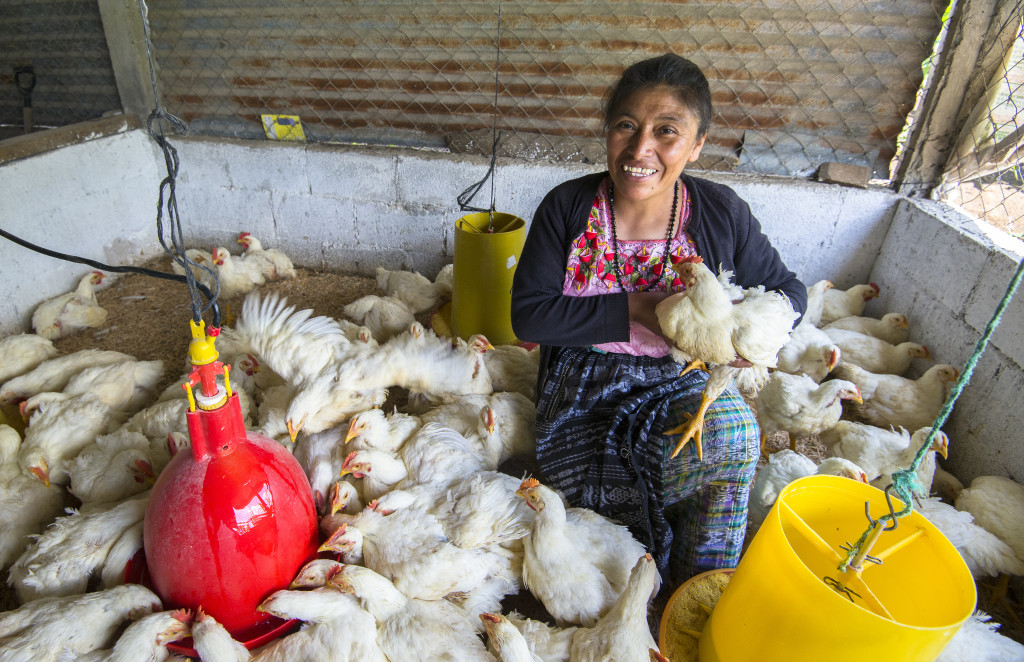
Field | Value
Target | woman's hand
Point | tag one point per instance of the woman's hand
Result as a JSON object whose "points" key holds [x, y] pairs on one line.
{"points": [[741, 362], [641, 309]]}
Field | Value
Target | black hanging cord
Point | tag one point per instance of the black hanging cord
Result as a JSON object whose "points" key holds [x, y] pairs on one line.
{"points": [[111, 268], [467, 196], [157, 118]]}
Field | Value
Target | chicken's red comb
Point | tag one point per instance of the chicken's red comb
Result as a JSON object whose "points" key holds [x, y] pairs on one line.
{"points": [[876, 288], [348, 460], [244, 234], [200, 614], [489, 617], [695, 259], [528, 483], [183, 615]]}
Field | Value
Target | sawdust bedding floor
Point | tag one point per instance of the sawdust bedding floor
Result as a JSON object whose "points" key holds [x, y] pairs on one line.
{"points": [[148, 318]]}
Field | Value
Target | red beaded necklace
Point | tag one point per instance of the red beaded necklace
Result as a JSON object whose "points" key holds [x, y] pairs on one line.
{"points": [[668, 239]]}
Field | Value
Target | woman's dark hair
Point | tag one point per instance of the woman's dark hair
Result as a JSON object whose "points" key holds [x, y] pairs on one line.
{"points": [[685, 79]]}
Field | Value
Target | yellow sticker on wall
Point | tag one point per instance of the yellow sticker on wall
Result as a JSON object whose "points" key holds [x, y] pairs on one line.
{"points": [[283, 127]]}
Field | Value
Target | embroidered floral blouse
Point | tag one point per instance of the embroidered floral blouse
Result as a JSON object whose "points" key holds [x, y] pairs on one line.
{"points": [[591, 268]]}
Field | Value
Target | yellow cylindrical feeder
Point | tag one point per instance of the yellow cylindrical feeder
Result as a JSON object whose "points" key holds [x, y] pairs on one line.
{"points": [[482, 281], [778, 605]]}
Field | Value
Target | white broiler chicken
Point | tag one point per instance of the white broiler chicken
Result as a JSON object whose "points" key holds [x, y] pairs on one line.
{"points": [[437, 455], [378, 472], [126, 386], [502, 423], [513, 368], [925, 471], [978, 641], [213, 642], [891, 400], [985, 554], [337, 629], [997, 504], [893, 328], [576, 562], [786, 466], [26, 505], [53, 375], [431, 365], [161, 418], [60, 427], [705, 325], [67, 553], [871, 448], [409, 548], [386, 317], [483, 510], [321, 456], [815, 303], [63, 315], [373, 429], [875, 355], [114, 467], [23, 352], [410, 287], [622, 634], [505, 641], [799, 406], [145, 640], [809, 352], [846, 303], [202, 267], [41, 630], [274, 265], [549, 643], [408, 629], [236, 276], [444, 280], [121, 553]]}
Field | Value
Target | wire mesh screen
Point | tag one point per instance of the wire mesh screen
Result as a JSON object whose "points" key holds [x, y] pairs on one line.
{"points": [[55, 59], [794, 84], [984, 175]]}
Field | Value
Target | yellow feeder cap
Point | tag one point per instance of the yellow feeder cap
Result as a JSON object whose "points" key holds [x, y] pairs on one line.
{"points": [[202, 349]]}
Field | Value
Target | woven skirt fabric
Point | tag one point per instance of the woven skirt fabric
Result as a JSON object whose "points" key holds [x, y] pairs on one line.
{"points": [[600, 419]]}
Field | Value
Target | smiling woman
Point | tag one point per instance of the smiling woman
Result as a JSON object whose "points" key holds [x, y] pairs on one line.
{"points": [[597, 259]]}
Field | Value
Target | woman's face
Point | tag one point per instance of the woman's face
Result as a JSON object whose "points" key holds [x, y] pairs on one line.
{"points": [[651, 137]]}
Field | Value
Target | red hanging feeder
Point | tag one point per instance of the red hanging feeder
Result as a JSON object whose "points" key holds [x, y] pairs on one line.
{"points": [[234, 520]]}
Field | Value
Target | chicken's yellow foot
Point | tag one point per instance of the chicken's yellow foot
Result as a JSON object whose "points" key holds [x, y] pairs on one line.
{"points": [[692, 429], [694, 365]]}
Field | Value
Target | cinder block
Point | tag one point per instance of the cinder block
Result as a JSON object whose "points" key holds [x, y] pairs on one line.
{"points": [[844, 173]]}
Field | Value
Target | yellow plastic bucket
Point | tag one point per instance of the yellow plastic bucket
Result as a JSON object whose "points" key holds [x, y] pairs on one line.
{"points": [[777, 606], [482, 280]]}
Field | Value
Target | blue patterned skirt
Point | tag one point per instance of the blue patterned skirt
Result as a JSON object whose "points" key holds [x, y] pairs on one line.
{"points": [[600, 419]]}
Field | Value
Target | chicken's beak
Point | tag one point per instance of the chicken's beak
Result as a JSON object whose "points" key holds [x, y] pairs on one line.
{"points": [[903, 323], [858, 398], [941, 445], [927, 352], [22, 409], [352, 433], [833, 359], [42, 472], [293, 430]]}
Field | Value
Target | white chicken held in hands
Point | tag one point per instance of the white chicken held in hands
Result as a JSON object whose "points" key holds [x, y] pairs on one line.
{"points": [[706, 325], [67, 313]]}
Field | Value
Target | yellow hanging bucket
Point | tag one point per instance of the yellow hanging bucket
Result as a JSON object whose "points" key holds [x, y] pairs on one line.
{"points": [[778, 607], [482, 281]]}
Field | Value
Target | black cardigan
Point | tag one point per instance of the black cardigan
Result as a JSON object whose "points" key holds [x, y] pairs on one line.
{"points": [[726, 234]]}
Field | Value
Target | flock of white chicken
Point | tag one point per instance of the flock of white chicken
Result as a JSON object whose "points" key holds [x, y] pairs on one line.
{"points": [[431, 535]]}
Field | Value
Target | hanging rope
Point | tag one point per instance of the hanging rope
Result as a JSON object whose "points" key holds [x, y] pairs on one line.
{"points": [[905, 481], [467, 196], [155, 126]]}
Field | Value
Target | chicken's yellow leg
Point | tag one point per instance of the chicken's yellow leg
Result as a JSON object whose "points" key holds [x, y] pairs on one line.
{"points": [[693, 428], [694, 365]]}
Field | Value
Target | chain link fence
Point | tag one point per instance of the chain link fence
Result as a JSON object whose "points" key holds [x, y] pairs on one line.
{"points": [[55, 63], [794, 84], [984, 176]]}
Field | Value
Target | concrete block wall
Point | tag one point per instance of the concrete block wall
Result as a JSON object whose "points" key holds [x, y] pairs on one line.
{"points": [[96, 199], [354, 208], [947, 273]]}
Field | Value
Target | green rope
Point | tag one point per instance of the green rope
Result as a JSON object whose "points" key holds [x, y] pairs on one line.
{"points": [[905, 482]]}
